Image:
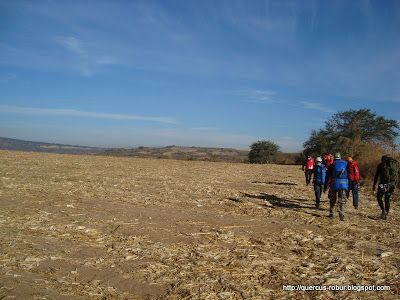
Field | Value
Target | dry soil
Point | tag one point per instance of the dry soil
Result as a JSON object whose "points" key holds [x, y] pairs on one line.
{"points": [[85, 227]]}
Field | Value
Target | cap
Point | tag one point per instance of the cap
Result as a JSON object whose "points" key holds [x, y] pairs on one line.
{"points": [[349, 159], [337, 156], [318, 159]]}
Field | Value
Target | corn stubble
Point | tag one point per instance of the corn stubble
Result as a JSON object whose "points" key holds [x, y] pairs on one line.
{"points": [[80, 227]]}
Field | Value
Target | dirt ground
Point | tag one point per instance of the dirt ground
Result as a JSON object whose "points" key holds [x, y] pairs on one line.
{"points": [[86, 227]]}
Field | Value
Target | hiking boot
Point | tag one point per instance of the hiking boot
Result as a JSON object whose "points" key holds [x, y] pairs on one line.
{"points": [[317, 205], [383, 216], [355, 206], [341, 217], [331, 214]]}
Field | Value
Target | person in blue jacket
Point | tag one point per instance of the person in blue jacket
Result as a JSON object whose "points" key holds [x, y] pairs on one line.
{"points": [[319, 180], [338, 182]]}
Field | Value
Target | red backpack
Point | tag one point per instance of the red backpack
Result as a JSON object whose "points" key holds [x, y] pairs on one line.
{"points": [[354, 172]]}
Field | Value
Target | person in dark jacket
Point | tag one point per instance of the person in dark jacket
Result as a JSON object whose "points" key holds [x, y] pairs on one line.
{"points": [[383, 189]]}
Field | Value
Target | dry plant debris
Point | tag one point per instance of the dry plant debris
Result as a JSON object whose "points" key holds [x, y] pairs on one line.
{"points": [[86, 227]]}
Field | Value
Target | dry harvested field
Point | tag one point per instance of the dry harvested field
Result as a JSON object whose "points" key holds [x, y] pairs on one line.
{"points": [[88, 227]]}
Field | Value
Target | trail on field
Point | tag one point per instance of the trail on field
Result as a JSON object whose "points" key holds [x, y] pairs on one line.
{"points": [[85, 227]]}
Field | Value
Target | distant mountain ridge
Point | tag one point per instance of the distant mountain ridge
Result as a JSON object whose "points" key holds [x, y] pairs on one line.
{"points": [[29, 146], [182, 153], [169, 152]]}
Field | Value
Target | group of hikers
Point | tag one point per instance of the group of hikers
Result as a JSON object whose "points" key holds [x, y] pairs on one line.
{"points": [[342, 176]]}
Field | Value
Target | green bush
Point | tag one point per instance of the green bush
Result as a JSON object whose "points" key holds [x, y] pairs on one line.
{"points": [[263, 152]]}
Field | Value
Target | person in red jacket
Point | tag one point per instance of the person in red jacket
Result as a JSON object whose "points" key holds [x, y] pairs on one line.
{"points": [[354, 180], [308, 167], [328, 160]]}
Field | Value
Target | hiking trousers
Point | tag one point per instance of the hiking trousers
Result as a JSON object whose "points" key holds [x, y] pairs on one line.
{"points": [[318, 191], [353, 187], [385, 206], [308, 174], [341, 199]]}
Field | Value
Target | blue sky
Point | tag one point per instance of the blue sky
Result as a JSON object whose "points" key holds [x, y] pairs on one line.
{"points": [[193, 73]]}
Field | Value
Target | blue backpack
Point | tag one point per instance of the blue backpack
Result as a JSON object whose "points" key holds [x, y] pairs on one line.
{"points": [[320, 174], [339, 177]]}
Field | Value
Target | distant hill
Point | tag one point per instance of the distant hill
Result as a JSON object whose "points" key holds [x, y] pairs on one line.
{"points": [[169, 152], [20, 145], [183, 153]]}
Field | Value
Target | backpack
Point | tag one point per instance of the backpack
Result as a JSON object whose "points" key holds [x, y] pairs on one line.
{"points": [[328, 160], [354, 172], [320, 174], [339, 177], [390, 170]]}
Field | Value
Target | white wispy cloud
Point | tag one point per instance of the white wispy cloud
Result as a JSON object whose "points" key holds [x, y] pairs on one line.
{"points": [[207, 128], [71, 43], [317, 106], [263, 22], [85, 59], [106, 60], [258, 96], [263, 96], [79, 113]]}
